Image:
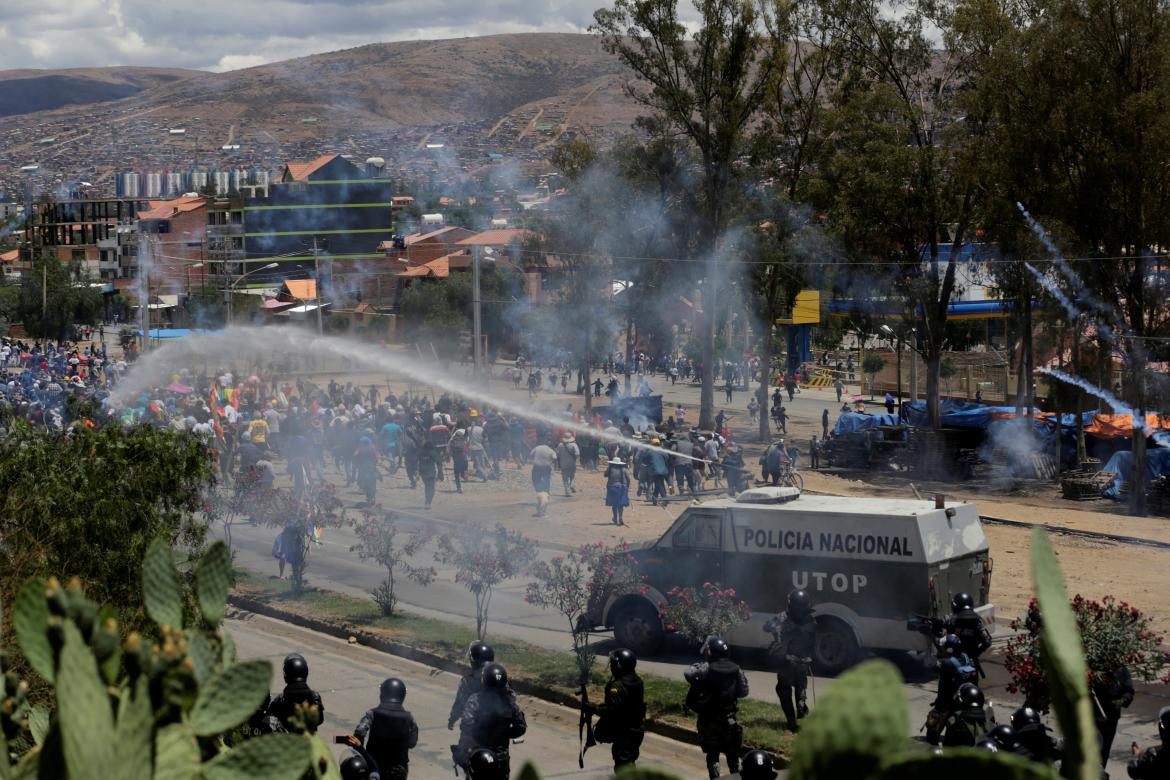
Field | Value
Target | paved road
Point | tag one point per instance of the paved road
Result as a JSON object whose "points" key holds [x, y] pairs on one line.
{"points": [[348, 677]]}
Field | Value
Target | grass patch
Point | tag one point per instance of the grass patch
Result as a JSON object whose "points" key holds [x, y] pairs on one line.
{"points": [[762, 721]]}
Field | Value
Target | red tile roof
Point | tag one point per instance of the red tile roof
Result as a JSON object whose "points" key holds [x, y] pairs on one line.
{"points": [[440, 267], [501, 237], [302, 289], [303, 170], [166, 209]]}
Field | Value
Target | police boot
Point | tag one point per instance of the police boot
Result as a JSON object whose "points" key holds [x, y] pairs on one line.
{"points": [[713, 769], [801, 708]]}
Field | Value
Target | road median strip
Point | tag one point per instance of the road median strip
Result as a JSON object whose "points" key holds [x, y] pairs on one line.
{"points": [[534, 671]]}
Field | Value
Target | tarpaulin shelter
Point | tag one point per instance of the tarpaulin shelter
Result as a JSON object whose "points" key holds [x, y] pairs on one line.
{"points": [[1121, 464], [852, 422]]}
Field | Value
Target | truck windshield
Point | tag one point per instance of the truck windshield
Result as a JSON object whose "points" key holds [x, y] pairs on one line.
{"points": [[700, 531]]}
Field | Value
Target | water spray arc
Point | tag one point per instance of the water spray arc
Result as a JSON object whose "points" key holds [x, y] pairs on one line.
{"points": [[220, 347]]}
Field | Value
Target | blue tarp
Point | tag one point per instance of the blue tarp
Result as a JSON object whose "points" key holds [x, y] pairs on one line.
{"points": [[956, 414], [1121, 464], [851, 422]]}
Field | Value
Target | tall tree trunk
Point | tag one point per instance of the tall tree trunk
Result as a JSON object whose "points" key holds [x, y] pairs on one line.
{"points": [[1137, 495], [765, 379], [629, 349], [586, 369], [707, 378], [933, 368]]}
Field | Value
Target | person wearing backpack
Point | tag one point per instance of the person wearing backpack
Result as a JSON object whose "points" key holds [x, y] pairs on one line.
{"points": [[955, 668]]}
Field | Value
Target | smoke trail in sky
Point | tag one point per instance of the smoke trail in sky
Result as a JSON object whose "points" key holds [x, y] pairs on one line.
{"points": [[1119, 406], [1055, 291]]}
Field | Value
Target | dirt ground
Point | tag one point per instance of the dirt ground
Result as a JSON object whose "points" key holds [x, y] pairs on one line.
{"points": [[1134, 573]]}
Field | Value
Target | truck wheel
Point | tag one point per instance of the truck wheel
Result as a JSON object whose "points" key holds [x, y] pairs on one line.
{"points": [[835, 648], [638, 628]]}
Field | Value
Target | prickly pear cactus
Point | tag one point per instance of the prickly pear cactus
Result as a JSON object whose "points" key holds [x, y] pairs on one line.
{"points": [[138, 708], [965, 764], [1063, 657], [861, 720]]}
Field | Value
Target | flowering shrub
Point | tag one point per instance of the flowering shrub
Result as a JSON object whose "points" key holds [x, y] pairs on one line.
{"points": [[1113, 634], [483, 559], [572, 583], [712, 611], [301, 518], [377, 540]]}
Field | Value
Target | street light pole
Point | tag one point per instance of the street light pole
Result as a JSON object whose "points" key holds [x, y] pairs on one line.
{"points": [[232, 286], [476, 324], [317, 286]]}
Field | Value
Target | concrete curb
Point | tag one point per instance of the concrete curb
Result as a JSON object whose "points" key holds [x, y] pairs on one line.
{"points": [[369, 639]]}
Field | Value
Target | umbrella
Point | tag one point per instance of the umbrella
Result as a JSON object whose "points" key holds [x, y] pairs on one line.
{"points": [[175, 387]]}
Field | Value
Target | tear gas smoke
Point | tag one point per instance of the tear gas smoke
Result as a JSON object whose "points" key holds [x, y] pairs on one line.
{"points": [[155, 367], [1055, 291], [1118, 405]]}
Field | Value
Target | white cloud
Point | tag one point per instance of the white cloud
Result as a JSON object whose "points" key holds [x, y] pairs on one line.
{"points": [[228, 34]]}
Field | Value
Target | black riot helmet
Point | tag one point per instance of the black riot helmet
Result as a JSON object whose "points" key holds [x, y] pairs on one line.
{"points": [[969, 695], [962, 601], [987, 744], [392, 689], [1025, 716], [953, 644], [494, 676], [715, 648], [483, 765], [757, 765], [296, 668], [480, 653], [1164, 725], [798, 603], [355, 767], [622, 661], [1004, 736]]}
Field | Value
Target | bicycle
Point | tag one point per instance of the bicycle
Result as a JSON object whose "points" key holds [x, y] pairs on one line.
{"points": [[790, 477]]}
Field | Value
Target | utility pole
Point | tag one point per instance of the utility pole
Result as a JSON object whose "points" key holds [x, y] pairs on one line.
{"points": [[317, 286], [476, 326], [144, 304]]}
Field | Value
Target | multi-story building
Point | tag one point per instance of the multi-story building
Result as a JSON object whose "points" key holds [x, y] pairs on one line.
{"points": [[327, 210], [71, 230]]}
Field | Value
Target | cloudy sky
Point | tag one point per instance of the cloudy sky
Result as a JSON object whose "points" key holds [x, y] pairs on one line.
{"points": [[228, 34]]}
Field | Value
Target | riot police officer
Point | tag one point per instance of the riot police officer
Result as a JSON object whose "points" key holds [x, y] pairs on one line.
{"points": [[296, 691], [491, 719], [482, 765], [757, 765], [954, 669], [1154, 762], [795, 632], [967, 725], [389, 731], [717, 685], [478, 654], [623, 713], [356, 767], [263, 721], [1004, 737], [1032, 738], [965, 623]]}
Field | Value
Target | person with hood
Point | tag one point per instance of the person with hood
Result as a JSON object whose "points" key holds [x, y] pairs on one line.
{"points": [[617, 488], [365, 459], [567, 454], [389, 731], [429, 470]]}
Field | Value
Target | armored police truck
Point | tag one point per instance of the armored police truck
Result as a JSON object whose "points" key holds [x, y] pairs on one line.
{"points": [[868, 565]]}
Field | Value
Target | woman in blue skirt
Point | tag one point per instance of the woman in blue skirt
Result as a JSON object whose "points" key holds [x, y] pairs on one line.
{"points": [[617, 488]]}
